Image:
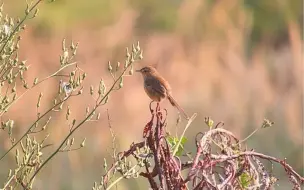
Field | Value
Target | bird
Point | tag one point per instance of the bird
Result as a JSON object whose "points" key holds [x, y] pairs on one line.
{"points": [[158, 88]]}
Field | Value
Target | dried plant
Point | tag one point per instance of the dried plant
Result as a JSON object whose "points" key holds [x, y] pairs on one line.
{"points": [[220, 161]]}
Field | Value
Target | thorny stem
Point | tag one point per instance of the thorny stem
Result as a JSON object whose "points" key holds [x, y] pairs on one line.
{"points": [[199, 168], [223, 158], [80, 124], [165, 166], [211, 160]]}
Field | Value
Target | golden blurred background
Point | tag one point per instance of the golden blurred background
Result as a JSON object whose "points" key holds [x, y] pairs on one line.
{"points": [[237, 61]]}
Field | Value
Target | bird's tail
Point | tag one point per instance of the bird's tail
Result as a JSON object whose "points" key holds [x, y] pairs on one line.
{"points": [[175, 104]]}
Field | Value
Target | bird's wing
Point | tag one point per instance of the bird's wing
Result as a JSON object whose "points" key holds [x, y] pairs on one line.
{"points": [[156, 86]]}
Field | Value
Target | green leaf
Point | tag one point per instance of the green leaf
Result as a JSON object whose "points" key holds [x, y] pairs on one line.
{"points": [[173, 141], [245, 180]]}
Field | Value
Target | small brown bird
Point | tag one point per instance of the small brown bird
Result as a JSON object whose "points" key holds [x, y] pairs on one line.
{"points": [[157, 88]]}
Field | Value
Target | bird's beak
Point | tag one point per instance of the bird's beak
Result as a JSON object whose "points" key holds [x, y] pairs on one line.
{"points": [[137, 70]]}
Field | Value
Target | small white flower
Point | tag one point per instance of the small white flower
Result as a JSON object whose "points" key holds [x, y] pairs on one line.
{"points": [[65, 56], [6, 29], [67, 88]]}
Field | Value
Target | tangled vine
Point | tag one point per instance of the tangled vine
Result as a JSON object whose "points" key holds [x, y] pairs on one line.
{"points": [[220, 161]]}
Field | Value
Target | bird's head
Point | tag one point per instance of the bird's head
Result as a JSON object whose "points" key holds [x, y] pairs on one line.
{"points": [[146, 71]]}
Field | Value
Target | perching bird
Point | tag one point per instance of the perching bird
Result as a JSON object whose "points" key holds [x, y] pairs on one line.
{"points": [[157, 88]]}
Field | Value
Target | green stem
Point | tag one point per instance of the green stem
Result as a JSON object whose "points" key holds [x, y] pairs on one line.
{"points": [[80, 124], [19, 24], [9, 181], [30, 128], [54, 74], [120, 178], [245, 139], [17, 170], [183, 134], [48, 77]]}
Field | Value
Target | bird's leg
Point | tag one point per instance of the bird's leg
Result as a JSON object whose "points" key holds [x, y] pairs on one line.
{"points": [[150, 107], [157, 107]]}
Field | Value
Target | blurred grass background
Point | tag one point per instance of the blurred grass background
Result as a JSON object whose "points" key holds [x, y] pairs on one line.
{"points": [[237, 61]]}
